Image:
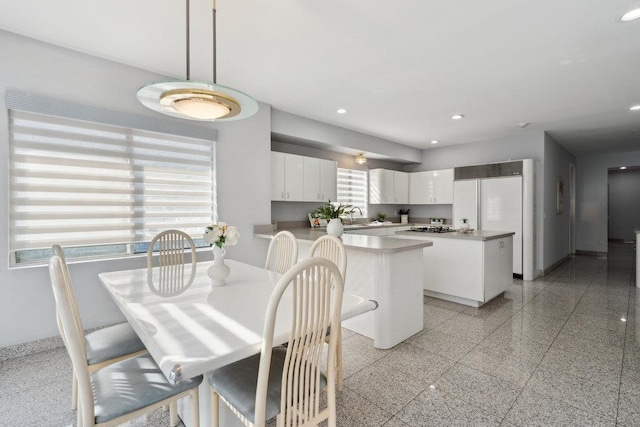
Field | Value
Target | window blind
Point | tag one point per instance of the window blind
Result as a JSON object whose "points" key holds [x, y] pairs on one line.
{"points": [[79, 183], [352, 188]]}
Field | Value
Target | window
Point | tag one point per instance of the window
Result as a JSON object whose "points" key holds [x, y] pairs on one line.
{"points": [[102, 190], [352, 188]]}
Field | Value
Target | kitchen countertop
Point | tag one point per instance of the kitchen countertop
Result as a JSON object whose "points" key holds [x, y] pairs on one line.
{"points": [[474, 235], [376, 244]]}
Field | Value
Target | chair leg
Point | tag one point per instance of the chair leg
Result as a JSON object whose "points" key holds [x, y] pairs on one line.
{"points": [[195, 407], [173, 414], [74, 391], [331, 406], [215, 409], [339, 361]]}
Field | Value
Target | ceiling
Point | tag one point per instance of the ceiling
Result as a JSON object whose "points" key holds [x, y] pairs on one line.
{"points": [[401, 69]]}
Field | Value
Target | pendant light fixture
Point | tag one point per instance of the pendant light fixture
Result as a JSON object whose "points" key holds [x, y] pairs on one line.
{"points": [[194, 100], [361, 159]]}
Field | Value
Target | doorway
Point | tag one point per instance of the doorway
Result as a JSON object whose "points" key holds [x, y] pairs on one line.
{"points": [[623, 207]]}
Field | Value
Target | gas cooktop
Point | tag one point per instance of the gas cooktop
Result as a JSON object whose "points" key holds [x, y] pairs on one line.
{"points": [[433, 229]]}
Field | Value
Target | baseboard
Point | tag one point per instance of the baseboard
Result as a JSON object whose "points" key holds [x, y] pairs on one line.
{"points": [[28, 348], [555, 265], [37, 346], [591, 253]]}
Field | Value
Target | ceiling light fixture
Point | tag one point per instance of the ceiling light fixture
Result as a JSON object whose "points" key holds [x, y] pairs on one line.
{"points": [[341, 111], [635, 108], [457, 116], [361, 159], [435, 141], [523, 125], [632, 15], [623, 167], [194, 100]]}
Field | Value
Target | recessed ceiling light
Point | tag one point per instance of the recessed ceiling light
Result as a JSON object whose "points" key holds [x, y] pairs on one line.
{"points": [[341, 111], [435, 141], [457, 116], [635, 108], [623, 319], [623, 167], [632, 15], [523, 125]]}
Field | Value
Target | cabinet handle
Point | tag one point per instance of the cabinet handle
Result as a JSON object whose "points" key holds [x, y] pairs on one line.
{"points": [[287, 194], [501, 245], [282, 195]]}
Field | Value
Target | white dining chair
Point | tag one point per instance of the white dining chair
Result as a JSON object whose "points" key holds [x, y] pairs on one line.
{"points": [[123, 390], [288, 382], [103, 346], [282, 253], [171, 248], [332, 248]]}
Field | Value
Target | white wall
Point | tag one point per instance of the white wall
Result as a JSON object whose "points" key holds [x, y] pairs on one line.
{"points": [[557, 232], [624, 203], [591, 197], [243, 168]]}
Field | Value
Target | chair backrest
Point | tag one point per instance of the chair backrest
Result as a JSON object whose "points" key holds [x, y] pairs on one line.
{"points": [[331, 248], [72, 336], [59, 252], [283, 252], [171, 248], [316, 295], [170, 280]]}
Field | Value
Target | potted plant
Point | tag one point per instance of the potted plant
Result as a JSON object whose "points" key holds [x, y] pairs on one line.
{"points": [[404, 216], [381, 216], [464, 227], [332, 212]]}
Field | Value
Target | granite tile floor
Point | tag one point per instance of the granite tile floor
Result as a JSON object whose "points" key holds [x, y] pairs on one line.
{"points": [[561, 350]]}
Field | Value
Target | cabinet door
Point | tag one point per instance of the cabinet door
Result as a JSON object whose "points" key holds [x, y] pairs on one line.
{"points": [[294, 177], [493, 281], [418, 182], [387, 193], [442, 186], [328, 180], [311, 181], [277, 176], [400, 188], [376, 186]]}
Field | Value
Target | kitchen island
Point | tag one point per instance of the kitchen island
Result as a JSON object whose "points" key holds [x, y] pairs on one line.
{"points": [[386, 270], [468, 268]]}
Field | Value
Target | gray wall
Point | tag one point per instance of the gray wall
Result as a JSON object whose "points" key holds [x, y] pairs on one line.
{"points": [[591, 197], [624, 203], [28, 311], [557, 232]]}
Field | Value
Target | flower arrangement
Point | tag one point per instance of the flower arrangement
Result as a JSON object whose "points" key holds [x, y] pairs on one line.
{"points": [[403, 211], [221, 234]]}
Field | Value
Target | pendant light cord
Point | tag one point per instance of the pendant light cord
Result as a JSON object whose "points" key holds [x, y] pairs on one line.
{"points": [[214, 43], [188, 40]]}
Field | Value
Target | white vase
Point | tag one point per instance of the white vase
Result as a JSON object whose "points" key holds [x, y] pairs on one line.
{"points": [[219, 270], [404, 219], [464, 227], [335, 228]]}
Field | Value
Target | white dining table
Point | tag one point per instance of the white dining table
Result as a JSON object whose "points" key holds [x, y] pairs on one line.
{"points": [[191, 327]]}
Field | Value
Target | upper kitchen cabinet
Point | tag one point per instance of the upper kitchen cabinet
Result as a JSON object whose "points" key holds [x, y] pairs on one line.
{"points": [[287, 177], [388, 187], [320, 180], [431, 187]]}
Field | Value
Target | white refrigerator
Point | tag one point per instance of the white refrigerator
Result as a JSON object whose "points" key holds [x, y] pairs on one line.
{"points": [[501, 203]]}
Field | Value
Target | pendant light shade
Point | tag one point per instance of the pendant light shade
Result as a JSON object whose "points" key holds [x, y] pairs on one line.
{"points": [[361, 159], [198, 100]]}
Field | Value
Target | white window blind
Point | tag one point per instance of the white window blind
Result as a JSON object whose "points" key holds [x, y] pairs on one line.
{"points": [[352, 188], [79, 183]]}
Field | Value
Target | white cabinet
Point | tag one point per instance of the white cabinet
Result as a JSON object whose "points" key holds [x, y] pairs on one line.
{"points": [[498, 261], [302, 179], [431, 187], [320, 180], [388, 187], [287, 177]]}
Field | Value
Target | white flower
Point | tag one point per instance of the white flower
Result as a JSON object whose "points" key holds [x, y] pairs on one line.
{"points": [[231, 236], [221, 234]]}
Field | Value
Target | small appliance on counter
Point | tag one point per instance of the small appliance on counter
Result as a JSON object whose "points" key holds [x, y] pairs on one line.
{"points": [[433, 229]]}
